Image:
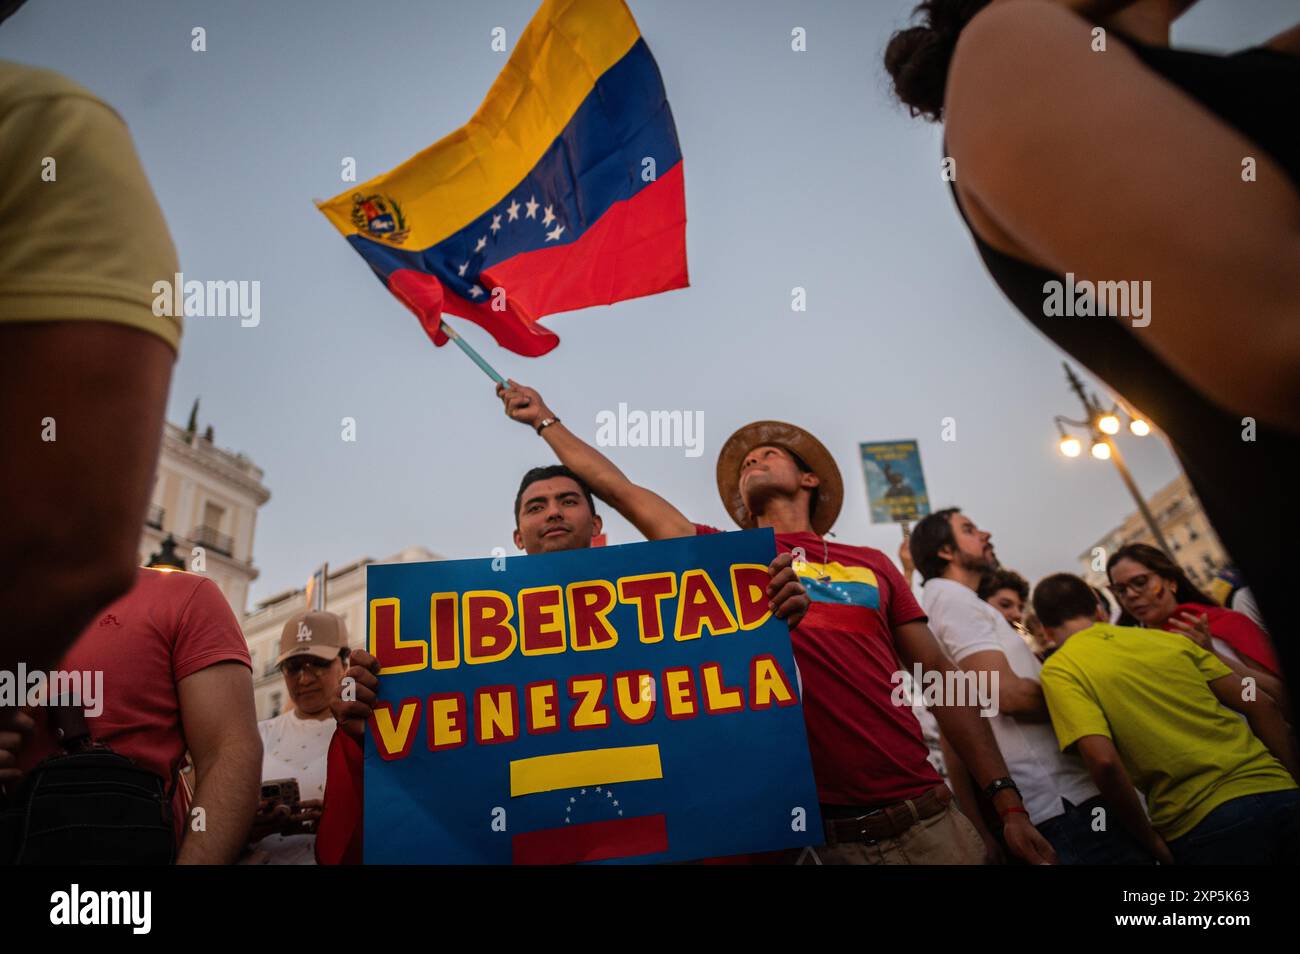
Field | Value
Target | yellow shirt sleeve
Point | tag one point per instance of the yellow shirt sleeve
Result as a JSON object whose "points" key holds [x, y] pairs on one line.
{"points": [[81, 234], [1210, 665], [1074, 710]]}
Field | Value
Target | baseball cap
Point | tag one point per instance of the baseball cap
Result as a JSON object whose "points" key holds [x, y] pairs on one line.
{"points": [[314, 633]]}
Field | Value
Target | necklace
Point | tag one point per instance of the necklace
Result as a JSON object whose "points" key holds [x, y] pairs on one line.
{"points": [[826, 558]]}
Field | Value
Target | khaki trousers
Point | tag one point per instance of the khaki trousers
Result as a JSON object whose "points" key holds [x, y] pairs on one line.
{"points": [[947, 838]]}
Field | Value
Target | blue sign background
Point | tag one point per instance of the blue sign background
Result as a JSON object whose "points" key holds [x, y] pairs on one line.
{"points": [[731, 781]]}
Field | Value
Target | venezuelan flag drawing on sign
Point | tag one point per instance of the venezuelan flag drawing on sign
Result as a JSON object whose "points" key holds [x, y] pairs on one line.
{"points": [[564, 190], [634, 704]]}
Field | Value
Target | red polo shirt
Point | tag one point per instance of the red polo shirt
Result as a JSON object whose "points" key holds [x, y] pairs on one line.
{"points": [[168, 626]]}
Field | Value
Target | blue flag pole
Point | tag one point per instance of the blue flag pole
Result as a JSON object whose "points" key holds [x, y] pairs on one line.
{"points": [[473, 355]]}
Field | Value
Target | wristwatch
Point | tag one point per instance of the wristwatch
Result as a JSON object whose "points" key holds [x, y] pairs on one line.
{"points": [[998, 784], [543, 425]]}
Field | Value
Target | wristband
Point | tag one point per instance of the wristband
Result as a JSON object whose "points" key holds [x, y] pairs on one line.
{"points": [[1013, 810], [543, 425], [998, 784]]}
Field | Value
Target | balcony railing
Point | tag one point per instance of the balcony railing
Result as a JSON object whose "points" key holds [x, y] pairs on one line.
{"points": [[154, 518], [209, 537]]}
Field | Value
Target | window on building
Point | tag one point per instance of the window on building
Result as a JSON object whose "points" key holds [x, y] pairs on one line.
{"points": [[213, 514]]}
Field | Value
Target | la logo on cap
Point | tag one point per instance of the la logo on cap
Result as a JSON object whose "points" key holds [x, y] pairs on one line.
{"points": [[304, 632]]}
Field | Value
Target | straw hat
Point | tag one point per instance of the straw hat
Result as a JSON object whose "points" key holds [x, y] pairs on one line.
{"points": [[830, 494]]}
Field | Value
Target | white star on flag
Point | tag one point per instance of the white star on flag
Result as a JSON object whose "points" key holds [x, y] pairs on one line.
{"points": [[549, 217], [512, 210], [475, 291], [555, 233], [496, 223], [531, 206], [481, 244], [461, 271]]}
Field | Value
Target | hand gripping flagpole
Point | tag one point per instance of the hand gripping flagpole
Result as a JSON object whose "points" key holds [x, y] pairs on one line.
{"points": [[473, 355]]}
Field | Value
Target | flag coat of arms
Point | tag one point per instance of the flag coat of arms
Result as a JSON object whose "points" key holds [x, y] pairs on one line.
{"points": [[564, 190]]}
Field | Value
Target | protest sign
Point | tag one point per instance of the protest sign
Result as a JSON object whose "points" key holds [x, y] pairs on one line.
{"points": [[635, 703], [895, 481]]}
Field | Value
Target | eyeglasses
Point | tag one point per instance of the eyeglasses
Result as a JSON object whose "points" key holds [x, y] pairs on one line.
{"points": [[294, 667], [1137, 584]]}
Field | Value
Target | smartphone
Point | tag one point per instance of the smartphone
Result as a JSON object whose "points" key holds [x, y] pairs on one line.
{"points": [[281, 791]]}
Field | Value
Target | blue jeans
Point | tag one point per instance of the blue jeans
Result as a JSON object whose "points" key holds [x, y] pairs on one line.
{"points": [[1076, 843], [1251, 830]]}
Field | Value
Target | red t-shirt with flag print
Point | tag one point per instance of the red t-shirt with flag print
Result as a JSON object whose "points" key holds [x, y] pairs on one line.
{"points": [[865, 750]]}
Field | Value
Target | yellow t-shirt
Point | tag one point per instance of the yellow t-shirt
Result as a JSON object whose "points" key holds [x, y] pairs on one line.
{"points": [[81, 235], [1148, 692]]}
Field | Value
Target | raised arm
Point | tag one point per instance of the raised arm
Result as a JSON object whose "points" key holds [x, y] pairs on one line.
{"points": [[1151, 192], [655, 517]]}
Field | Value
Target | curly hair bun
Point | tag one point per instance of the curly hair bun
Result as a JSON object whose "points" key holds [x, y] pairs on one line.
{"points": [[918, 58]]}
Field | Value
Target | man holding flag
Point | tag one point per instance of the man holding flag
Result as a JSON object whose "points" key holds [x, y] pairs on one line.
{"points": [[882, 801], [554, 511]]}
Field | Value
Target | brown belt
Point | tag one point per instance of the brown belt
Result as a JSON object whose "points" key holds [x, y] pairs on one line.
{"points": [[890, 821]]}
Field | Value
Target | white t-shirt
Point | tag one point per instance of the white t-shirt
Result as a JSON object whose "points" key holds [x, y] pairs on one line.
{"points": [[964, 624], [293, 748]]}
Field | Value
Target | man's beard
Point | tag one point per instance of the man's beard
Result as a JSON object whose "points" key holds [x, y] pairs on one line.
{"points": [[980, 564]]}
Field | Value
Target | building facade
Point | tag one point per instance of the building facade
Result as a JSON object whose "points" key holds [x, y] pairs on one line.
{"points": [[207, 498], [1178, 514], [345, 594]]}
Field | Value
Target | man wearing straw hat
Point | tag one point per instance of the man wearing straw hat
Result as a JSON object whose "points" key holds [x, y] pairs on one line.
{"points": [[883, 803], [554, 511]]}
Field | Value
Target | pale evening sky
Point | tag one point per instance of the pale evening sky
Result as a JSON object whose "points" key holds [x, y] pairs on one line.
{"points": [[800, 171]]}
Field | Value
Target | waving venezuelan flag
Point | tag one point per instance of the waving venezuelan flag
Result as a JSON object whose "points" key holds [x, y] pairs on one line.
{"points": [[564, 190]]}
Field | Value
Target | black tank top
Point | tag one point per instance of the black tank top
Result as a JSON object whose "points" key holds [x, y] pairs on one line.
{"points": [[1249, 490]]}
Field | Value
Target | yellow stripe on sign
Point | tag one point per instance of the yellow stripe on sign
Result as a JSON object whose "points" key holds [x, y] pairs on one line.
{"points": [[567, 46], [546, 773]]}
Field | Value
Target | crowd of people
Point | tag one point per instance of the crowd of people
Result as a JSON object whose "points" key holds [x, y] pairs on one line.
{"points": [[1140, 725], [1160, 735]]}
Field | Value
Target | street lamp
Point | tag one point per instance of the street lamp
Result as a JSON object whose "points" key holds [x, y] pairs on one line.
{"points": [[1100, 425], [166, 558], [1070, 445]]}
